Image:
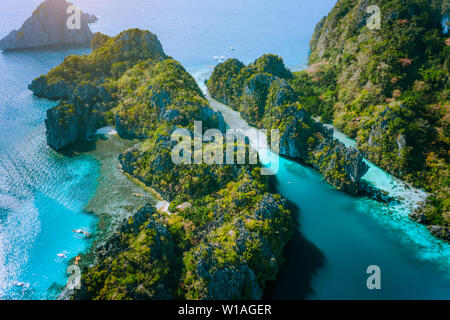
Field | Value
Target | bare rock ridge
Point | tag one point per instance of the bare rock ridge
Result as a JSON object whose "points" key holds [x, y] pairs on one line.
{"points": [[47, 26]]}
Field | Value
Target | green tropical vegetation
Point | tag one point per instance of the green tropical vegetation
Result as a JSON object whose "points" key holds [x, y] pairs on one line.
{"points": [[224, 232], [269, 96], [389, 89]]}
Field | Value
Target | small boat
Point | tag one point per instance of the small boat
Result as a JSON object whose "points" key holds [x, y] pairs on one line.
{"points": [[61, 255], [21, 284], [232, 48], [81, 231]]}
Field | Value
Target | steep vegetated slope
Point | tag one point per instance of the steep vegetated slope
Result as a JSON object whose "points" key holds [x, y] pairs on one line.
{"points": [[225, 233], [264, 93], [389, 88]]}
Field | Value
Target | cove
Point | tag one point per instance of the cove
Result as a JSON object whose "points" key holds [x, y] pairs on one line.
{"points": [[340, 236]]}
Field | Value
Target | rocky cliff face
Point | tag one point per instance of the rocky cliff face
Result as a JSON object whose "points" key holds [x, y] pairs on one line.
{"points": [[47, 27], [158, 255], [132, 73], [389, 89], [264, 95], [77, 119]]}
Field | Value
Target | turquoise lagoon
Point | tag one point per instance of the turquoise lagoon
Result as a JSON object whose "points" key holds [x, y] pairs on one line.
{"points": [[42, 193]]}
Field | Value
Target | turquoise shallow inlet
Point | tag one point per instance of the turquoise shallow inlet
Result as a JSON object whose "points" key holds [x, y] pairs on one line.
{"points": [[42, 193], [342, 235]]}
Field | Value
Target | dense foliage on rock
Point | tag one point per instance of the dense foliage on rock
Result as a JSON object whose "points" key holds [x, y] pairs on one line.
{"points": [[223, 239], [224, 233], [389, 89], [127, 81], [264, 92]]}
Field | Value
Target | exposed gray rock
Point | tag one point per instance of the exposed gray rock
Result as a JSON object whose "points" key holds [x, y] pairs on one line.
{"points": [[224, 281], [440, 232], [265, 99], [78, 119], [341, 166], [169, 114], [161, 245], [268, 207], [54, 91], [128, 159], [255, 94], [419, 217], [208, 113], [62, 127], [48, 27], [375, 193]]}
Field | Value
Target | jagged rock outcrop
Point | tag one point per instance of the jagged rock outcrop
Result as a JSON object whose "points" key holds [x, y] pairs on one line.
{"points": [[128, 159], [48, 27], [381, 87], [131, 71], [54, 91], [223, 282], [341, 166], [263, 93], [440, 232], [78, 118], [118, 249], [314, 144]]}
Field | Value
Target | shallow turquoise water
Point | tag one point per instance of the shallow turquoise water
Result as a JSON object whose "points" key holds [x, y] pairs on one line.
{"points": [[42, 194], [354, 233], [342, 235]]}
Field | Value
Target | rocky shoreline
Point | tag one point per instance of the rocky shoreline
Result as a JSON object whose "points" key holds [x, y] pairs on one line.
{"points": [[245, 88], [440, 232], [262, 93]]}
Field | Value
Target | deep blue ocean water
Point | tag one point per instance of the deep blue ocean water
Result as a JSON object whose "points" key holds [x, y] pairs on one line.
{"points": [[42, 193]]}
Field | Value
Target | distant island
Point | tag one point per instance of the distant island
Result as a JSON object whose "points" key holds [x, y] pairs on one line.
{"points": [[48, 27]]}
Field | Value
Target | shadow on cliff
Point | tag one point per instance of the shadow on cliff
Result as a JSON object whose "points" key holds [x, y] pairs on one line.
{"points": [[79, 147], [303, 260]]}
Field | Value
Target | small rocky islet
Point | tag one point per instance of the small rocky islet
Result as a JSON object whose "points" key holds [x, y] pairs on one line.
{"points": [[47, 27]]}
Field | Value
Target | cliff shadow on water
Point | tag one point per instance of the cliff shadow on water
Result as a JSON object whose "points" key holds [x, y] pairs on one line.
{"points": [[303, 261]]}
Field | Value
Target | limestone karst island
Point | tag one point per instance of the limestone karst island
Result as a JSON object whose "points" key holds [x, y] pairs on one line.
{"points": [[178, 150]]}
